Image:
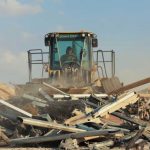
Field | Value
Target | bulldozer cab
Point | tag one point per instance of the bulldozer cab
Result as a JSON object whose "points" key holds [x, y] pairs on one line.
{"points": [[79, 42]]}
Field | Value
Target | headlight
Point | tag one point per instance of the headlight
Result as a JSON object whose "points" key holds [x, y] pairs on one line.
{"points": [[83, 35], [46, 35]]}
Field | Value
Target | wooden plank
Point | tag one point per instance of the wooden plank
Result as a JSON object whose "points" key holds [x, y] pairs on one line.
{"points": [[46, 124], [142, 95]]}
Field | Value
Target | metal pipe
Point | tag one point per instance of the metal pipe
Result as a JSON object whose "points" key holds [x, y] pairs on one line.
{"points": [[15, 108], [41, 139], [78, 95]]}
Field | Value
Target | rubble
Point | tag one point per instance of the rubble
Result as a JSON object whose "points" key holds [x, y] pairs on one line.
{"points": [[75, 120], [7, 91]]}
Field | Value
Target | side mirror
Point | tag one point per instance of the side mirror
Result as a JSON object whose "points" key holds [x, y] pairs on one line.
{"points": [[47, 41], [94, 42]]}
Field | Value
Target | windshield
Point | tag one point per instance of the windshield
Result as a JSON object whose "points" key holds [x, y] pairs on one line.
{"points": [[61, 51]]}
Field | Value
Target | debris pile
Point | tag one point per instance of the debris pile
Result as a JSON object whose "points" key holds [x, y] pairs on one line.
{"points": [[6, 91], [73, 121]]}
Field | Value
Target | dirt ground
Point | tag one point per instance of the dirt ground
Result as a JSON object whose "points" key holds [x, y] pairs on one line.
{"points": [[25, 148]]}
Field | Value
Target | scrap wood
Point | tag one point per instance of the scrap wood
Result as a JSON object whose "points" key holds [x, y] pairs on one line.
{"points": [[143, 95], [98, 145], [69, 144], [107, 109], [146, 132], [109, 121], [46, 124], [140, 144], [4, 137], [121, 103], [72, 119], [78, 114], [90, 118], [144, 109], [114, 119], [79, 135]]}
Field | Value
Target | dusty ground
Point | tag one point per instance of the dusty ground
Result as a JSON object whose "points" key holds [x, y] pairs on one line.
{"points": [[25, 148]]}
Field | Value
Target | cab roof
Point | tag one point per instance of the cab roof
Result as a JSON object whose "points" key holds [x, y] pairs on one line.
{"points": [[80, 32]]}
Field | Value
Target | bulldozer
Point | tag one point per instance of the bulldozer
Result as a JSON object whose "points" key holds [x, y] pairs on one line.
{"points": [[82, 65]]}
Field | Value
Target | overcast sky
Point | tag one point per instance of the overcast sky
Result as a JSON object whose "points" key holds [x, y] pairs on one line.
{"points": [[121, 25]]}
